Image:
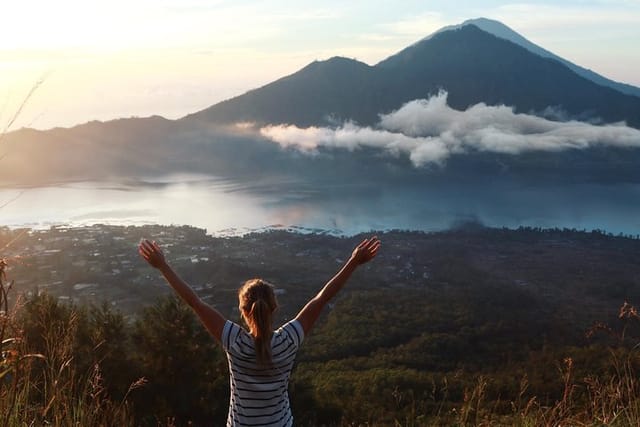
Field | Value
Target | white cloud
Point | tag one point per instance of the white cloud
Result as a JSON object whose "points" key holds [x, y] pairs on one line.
{"points": [[429, 131]]}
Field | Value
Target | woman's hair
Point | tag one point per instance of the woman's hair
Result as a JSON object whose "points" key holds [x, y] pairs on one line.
{"points": [[257, 304]]}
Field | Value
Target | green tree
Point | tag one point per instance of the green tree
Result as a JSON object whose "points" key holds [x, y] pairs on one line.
{"points": [[185, 368]]}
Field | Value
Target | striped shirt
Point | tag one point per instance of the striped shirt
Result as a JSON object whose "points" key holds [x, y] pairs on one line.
{"points": [[259, 396]]}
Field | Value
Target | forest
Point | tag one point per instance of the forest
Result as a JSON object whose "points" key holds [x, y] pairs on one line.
{"points": [[470, 326]]}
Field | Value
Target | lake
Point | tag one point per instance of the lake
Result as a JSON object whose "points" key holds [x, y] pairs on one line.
{"points": [[227, 207]]}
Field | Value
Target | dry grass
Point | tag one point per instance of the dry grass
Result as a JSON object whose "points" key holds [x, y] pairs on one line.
{"points": [[46, 389], [612, 400]]}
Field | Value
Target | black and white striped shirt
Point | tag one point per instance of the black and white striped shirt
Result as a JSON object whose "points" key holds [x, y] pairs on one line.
{"points": [[259, 396]]}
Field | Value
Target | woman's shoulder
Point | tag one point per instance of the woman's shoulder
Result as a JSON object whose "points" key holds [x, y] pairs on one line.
{"points": [[231, 326], [293, 330], [232, 333]]}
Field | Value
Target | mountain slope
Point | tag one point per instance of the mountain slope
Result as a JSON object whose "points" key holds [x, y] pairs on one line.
{"points": [[336, 89], [470, 64], [475, 66], [498, 29]]}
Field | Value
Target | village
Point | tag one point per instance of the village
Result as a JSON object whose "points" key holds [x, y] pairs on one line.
{"points": [[100, 264]]}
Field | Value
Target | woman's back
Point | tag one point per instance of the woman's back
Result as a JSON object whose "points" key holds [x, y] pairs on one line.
{"points": [[259, 394]]}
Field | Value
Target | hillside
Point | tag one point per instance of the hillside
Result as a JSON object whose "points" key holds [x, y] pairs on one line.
{"points": [[498, 29], [412, 335], [337, 89]]}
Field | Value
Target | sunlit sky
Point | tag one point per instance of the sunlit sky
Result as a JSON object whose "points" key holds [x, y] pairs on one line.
{"points": [[105, 59]]}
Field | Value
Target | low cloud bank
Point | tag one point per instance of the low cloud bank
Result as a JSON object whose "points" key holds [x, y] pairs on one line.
{"points": [[429, 131]]}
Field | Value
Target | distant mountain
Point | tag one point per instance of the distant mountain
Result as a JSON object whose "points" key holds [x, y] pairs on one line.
{"points": [[471, 64], [335, 89], [498, 29]]}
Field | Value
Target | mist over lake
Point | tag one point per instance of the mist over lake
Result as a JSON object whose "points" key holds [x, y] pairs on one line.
{"points": [[225, 206]]}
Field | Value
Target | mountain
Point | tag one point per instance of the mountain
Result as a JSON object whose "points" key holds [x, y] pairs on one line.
{"points": [[471, 64], [498, 29], [338, 88]]}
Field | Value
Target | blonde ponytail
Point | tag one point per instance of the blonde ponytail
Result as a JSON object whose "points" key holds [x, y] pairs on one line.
{"points": [[261, 314], [257, 303]]}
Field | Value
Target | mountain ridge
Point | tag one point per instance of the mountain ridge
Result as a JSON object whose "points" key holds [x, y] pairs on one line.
{"points": [[472, 65], [476, 69], [501, 30]]}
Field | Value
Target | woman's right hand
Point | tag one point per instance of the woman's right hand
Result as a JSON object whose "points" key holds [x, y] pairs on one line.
{"points": [[152, 253], [366, 251]]}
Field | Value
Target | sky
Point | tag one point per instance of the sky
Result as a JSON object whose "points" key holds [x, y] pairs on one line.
{"points": [[107, 59]]}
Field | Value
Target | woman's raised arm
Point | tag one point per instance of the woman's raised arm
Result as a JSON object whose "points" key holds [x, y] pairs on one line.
{"points": [[363, 253], [209, 316]]}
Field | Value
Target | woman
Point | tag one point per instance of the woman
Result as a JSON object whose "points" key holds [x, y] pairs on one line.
{"points": [[260, 359]]}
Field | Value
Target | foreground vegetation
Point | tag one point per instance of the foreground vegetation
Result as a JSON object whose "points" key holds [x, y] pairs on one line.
{"points": [[472, 327]]}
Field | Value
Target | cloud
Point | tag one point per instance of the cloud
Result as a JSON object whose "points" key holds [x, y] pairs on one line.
{"points": [[428, 131]]}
